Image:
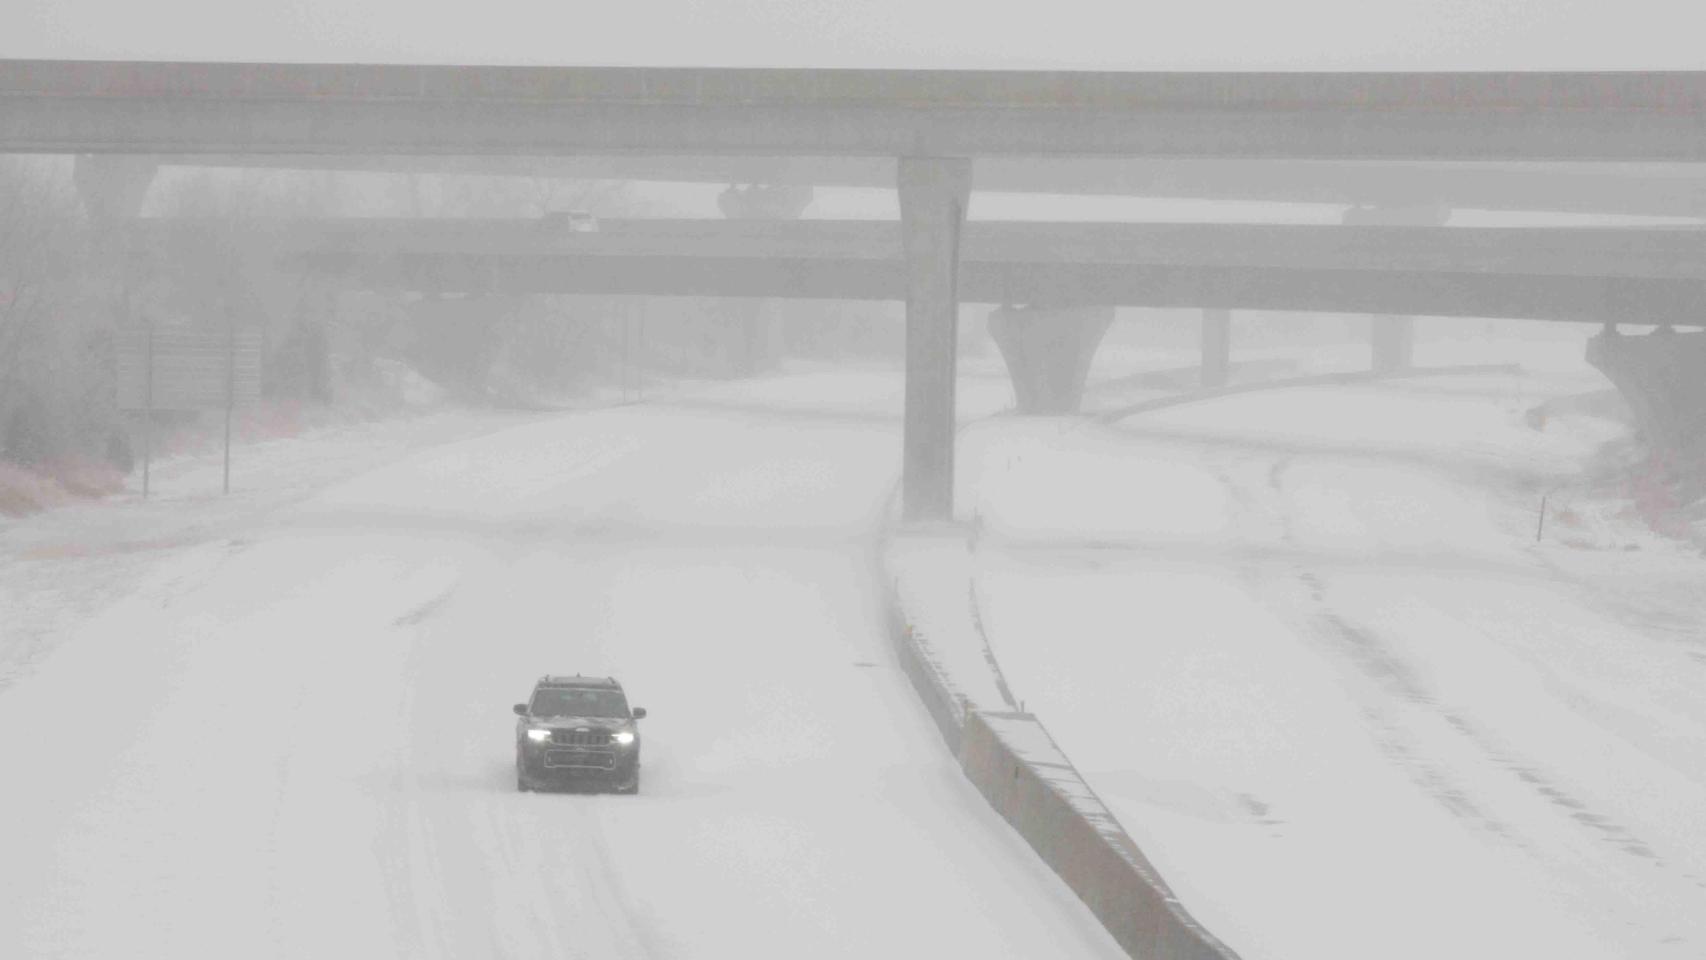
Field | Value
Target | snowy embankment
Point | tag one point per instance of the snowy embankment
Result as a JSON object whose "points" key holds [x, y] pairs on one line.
{"points": [[1305, 646], [287, 734], [66, 564]]}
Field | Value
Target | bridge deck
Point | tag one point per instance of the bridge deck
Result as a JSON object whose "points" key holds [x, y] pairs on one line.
{"points": [[1648, 253], [1581, 276], [1629, 189], [88, 106]]}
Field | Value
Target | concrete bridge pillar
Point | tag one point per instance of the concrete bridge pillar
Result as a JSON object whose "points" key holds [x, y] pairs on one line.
{"points": [[1392, 338], [112, 186], [1663, 377], [756, 325], [1216, 347], [1392, 344], [1048, 352], [934, 193]]}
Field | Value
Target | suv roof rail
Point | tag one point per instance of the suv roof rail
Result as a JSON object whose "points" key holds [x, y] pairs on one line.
{"points": [[563, 678]]}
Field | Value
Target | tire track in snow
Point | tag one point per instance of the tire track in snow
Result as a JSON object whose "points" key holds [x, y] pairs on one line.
{"points": [[1387, 669], [561, 891], [489, 872], [421, 613], [1378, 663], [397, 832]]}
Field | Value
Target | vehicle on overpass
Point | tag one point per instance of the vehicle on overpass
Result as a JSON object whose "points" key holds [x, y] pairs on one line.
{"points": [[573, 221], [577, 731]]}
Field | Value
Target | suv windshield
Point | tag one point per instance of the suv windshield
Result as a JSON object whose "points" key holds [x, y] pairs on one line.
{"points": [[578, 702]]}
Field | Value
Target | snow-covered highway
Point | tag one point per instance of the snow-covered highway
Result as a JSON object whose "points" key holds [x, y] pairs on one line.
{"points": [[1316, 665], [294, 739], [1305, 646]]}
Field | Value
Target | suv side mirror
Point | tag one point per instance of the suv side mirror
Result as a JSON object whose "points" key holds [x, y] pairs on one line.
{"points": [[521, 709], [639, 713]]}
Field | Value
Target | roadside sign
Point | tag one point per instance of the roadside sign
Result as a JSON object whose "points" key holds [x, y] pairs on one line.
{"points": [[178, 369], [191, 370]]}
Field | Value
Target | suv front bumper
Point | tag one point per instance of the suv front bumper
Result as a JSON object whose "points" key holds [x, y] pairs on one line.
{"points": [[548, 763]]}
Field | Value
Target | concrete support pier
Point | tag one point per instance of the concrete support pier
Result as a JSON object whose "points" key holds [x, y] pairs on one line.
{"points": [[755, 326], [1216, 348], [1392, 343], [1048, 352], [112, 186], [1392, 338], [934, 193], [1663, 377]]}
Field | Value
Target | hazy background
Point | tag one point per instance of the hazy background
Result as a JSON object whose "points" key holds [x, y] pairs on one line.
{"points": [[1418, 655]]}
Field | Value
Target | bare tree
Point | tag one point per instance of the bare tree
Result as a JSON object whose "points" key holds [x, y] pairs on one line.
{"points": [[54, 334]]}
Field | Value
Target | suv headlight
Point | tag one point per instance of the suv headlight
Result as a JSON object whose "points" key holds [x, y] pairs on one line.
{"points": [[538, 736], [623, 737]]}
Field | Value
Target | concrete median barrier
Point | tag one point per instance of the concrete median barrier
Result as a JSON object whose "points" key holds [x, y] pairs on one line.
{"points": [[946, 707], [1011, 759], [1017, 767]]}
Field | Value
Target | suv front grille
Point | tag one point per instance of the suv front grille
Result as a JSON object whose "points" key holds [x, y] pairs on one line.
{"points": [[579, 758], [581, 738]]}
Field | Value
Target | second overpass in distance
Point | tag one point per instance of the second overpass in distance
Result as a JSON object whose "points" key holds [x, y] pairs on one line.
{"points": [[1584, 275]]}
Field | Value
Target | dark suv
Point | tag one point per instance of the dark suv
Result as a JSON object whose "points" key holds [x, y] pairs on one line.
{"points": [[577, 730]]}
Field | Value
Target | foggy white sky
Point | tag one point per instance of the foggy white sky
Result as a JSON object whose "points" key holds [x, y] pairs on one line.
{"points": [[1069, 34]]}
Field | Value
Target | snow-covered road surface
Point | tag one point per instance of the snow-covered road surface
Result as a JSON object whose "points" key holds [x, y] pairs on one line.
{"points": [[295, 740], [1305, 646]]}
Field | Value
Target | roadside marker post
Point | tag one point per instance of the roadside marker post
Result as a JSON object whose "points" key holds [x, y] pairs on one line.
{"points": [[148, 413], [230, 395]]}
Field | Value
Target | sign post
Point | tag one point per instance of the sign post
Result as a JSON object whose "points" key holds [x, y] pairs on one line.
{"points": [[640, 335], [230, 394]]}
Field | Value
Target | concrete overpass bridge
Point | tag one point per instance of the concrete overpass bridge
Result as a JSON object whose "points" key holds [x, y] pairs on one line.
{"points": [[1612, 189], [1068, 274], [1581, 275], [932, 124], [1651, 253], [124, 107]]}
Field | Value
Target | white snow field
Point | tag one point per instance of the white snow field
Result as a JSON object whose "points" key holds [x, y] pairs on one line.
{"points": [[1304, 644], [292, 737]]}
